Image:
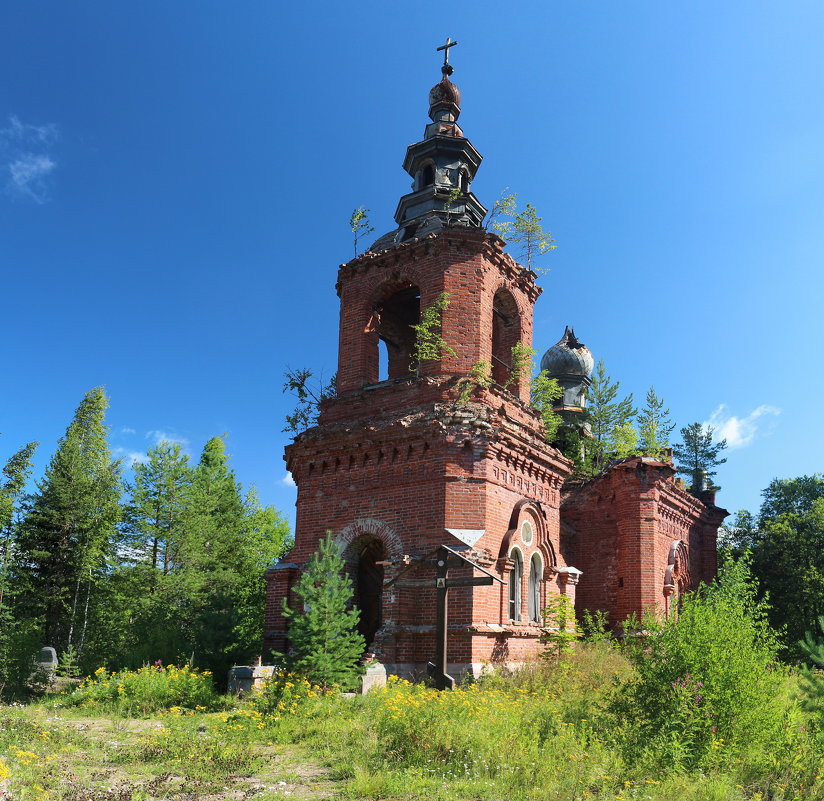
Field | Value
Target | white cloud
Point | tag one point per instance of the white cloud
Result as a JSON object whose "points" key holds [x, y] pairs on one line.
{"points": [[739, 431], [21, 132], [26, 160], [27, 174], [163, 436], [127, 430], [131, 458], [288, 481]]}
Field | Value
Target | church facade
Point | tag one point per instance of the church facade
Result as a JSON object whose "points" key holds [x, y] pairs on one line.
{"points": [[398, 465]]}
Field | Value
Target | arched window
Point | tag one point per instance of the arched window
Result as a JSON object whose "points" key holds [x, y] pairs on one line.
{"points": [[536, 570], [427, 176], [515, 579]]}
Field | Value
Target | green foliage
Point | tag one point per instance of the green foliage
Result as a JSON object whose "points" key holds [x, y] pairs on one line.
{"points": [[545, 391], [480, 377], [595, 627], [66, 537], [788, 559], [505, 206], [654, 427], [310, 398], [145, 691], [429, 343], [327, 646], [523, 230], [610, 419], [283, 693], [17, 635], [359, 225], [67, 664], [790, 496], [707, 688], [812, 680], [697, 456], [560, 628], [522, 356], [190, 585], [452, 198]]}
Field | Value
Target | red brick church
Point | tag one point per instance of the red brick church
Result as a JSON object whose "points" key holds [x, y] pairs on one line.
{"points": [[397, 466]]}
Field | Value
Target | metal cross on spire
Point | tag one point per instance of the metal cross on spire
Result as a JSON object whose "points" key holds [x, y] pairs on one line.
{"points": [[447, 68]]}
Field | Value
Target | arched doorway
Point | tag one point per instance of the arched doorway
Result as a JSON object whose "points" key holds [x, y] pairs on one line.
{"points": [[369, 588]]}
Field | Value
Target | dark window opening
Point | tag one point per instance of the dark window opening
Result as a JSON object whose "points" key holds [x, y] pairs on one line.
{"points": [[395, 317], [427, 176], [464, 181], [506, 333], [369, 589]]}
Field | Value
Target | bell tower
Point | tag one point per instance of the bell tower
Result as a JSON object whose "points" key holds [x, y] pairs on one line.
{"points": [[419, 456]]}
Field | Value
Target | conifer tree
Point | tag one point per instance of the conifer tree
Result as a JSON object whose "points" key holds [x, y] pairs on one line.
{"points": [[812, 681], [327, 646], [524, 231], [697, 455], [156, 512], [654, 427], [610, 419], [70, 526], [15, 650]]}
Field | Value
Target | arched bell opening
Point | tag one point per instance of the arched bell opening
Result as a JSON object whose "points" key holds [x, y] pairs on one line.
{"points": [[506, 333], [394, 317]]}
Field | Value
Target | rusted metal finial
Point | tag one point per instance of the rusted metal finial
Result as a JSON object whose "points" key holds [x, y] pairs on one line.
{"points": [[447, 68]]}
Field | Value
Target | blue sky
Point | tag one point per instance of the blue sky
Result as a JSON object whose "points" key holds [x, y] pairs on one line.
{"points": [[176, 180]]}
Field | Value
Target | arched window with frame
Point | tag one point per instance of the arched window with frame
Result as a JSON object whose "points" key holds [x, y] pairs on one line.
{"points": [[427, 176], [536, 571], [515, 580]]}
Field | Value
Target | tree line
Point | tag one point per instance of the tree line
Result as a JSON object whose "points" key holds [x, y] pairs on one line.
{"points": [[165, 565]]}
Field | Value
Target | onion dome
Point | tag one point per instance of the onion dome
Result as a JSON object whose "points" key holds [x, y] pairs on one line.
{"points": [[444, 92], [568, 357]]}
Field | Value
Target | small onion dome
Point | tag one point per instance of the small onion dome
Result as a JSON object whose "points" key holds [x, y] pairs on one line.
{"points": [[568, 357], [444, 92]]}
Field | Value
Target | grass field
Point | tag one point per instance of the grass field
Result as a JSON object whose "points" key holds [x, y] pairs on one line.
{"points": [[544, 734]]}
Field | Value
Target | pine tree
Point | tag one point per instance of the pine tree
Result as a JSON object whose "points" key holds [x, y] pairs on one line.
{"points": [[16, 647], [70, 525], [812, 681], [610, 421], [697, 455], [523, 231], [327, 645], [654, 427], [156, 512]]}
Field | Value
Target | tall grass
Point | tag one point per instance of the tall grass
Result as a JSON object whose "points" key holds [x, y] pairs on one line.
{"points": [[151, 689]]}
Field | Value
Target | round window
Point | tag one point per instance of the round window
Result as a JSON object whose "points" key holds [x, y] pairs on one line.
{"points": [[526, 532]]}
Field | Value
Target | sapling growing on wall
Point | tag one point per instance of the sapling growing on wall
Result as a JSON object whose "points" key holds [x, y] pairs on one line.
{"points": [[697, 456], [523, 230], [310, 396], [429, 342], [480, 377], [360, 225]]}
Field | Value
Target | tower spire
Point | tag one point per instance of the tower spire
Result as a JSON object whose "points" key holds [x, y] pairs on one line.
{"points": [[443, 165]]}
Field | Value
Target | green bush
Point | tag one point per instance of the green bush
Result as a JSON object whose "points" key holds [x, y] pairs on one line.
{"points": [[150, 689], [282, 694], [707, 689]]}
